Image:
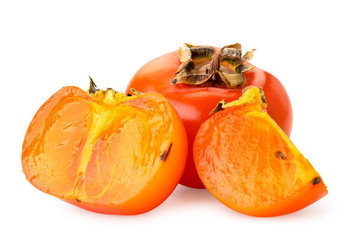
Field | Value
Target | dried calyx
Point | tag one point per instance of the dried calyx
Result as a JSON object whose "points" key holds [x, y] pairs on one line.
{"points": [[204, 66], [109, 96]]}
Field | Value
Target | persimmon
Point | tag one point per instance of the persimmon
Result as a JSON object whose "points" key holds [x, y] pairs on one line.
{"points": [[105, 151], [249, 164], [195, 78]]}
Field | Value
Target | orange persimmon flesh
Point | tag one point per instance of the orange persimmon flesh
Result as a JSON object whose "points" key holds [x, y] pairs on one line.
{"points": [[248, 163], [104, 151]]}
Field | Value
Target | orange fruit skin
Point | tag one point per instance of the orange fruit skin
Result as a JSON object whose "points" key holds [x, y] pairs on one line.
{"points": [[84, 149], [194, 103], [248, 163]]}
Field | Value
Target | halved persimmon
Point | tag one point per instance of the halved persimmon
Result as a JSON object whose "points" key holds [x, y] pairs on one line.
{"points": [[104, 151], [248, 163]]}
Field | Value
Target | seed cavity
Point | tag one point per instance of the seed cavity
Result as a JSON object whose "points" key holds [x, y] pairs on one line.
{"points": [[165, 154], [316, 180]]}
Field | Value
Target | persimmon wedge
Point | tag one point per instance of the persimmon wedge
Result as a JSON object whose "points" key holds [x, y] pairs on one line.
{"points": [[104, 151], [248, 163]]}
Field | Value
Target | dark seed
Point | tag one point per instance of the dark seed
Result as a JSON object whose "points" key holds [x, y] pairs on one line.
{"points": [[129, 94], [78, 200], [165, 154], [280, 155], [174, 81], [316, 180]]}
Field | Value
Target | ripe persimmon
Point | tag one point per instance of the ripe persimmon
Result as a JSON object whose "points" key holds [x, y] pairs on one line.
{"points": [[195, 78], [249, 164], [104, 151]]}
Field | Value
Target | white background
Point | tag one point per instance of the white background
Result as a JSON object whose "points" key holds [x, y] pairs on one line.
{"points": [[45, 45]]}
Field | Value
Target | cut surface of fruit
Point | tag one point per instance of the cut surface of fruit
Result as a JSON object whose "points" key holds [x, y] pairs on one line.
{"points": [[104, 151], [248, 163]]}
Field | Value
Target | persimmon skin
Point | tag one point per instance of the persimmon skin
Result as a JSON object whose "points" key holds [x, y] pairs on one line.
{"points": [[248, 163], [194, 103], [62, 178]]}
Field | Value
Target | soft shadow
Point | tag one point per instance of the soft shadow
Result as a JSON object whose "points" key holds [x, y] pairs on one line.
{"points": [[314, 211], [186, 195], [184, 198]]}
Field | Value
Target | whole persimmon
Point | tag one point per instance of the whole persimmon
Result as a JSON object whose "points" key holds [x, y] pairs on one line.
{"points": [[195, 78]]}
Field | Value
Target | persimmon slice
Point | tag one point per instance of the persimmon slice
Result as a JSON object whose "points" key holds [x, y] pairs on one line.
{"points": [[104, 151], [248, 163]]}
